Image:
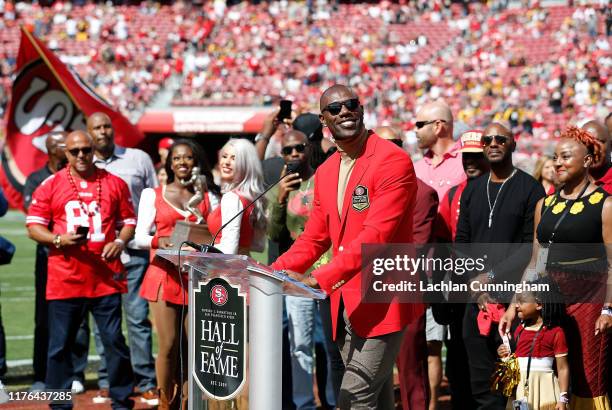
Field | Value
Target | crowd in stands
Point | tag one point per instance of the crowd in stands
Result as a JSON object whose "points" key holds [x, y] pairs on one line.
{"points": [[534, 66], [125, 53]]}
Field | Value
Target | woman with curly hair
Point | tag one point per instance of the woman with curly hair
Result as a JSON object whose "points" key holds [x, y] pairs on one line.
{"points": [[573, 227]]}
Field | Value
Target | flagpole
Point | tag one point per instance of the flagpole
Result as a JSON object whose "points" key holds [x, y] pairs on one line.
{"points": [[55, 74]]}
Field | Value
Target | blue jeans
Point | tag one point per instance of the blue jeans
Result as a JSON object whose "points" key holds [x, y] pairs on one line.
{"points": [[301, 315], [335, 365], [65, 318], [80, 351], [138, 325], [3, 367]]}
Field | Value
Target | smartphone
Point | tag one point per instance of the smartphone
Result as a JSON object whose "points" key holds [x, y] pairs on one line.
{"points": [[83, 231], [293, 167], [285, 110]]}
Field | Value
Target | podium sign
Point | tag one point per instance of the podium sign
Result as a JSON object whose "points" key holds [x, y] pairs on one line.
{"points": [[217, 339], [219, 328]]}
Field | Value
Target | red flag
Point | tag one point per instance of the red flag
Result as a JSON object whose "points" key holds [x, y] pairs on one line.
{"points": [[47, 96]]}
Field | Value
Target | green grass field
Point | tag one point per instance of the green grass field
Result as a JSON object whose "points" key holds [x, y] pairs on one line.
{"points": [[17, 289], [17, 297]]}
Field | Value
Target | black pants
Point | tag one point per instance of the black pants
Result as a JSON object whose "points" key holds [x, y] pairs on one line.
{"points": [[457, 366], [41, 328], [66, 315], [482, 354]]}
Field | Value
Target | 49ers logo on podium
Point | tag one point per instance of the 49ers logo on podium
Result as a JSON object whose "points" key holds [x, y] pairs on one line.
{"points": [[219, 329], [218, 295], [38, 106]]}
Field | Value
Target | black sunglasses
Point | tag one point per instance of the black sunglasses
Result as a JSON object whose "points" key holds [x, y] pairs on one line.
{"points": [[85, 150], [289, 149], [335, 107], [421, 124], [500, 139]]}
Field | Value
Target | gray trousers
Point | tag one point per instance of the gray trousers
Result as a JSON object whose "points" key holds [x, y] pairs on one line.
{"points": [[368, 379]]}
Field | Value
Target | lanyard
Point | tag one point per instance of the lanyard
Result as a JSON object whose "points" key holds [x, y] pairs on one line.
{"points": [[565, 211], [533, 343]]}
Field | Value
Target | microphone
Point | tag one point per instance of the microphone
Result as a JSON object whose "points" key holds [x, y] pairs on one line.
{"points": [[292, 167]]}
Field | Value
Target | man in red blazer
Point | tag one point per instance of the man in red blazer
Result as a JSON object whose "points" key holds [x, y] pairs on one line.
{"points": [[363, 194]]}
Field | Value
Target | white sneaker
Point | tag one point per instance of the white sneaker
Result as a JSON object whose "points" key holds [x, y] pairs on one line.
{"points": [[4, 397], [77, 387], [101, 397]]}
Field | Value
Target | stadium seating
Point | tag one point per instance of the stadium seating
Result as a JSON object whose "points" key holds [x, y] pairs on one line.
{"points": [[487, 63]]}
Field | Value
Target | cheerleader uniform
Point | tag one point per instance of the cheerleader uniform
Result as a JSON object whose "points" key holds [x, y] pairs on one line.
{"points": [[239, 236], [156, 211]]}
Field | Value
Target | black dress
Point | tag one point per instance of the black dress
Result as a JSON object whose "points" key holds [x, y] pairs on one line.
{"points": [[577, 262]]}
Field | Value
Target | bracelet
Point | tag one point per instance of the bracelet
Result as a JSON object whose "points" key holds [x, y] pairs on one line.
{"points": [[120, 242], [260, 137], [57, 241], [606, 310], [564, 397]]}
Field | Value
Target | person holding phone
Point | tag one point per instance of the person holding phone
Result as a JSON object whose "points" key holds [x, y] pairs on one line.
{"points": [[280, 117], [83, 205], [354, 203], [290, 205]]}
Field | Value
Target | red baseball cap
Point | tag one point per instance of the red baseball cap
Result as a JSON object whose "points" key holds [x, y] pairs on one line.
{"points": [[165, 143], [471, 141]]}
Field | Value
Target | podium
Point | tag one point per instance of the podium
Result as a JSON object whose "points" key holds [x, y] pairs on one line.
{"points": [[220, 288]]}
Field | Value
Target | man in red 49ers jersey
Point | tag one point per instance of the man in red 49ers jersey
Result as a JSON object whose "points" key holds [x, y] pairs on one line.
{"points": [[76, 212]]}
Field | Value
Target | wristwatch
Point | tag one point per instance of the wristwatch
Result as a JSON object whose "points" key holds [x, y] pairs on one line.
{"points": [[120, 242], [606, 310], [57, 241], [260, 137]]}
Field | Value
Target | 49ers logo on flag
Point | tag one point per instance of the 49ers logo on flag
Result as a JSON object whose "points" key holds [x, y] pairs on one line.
{"points": [[47, 96], [38, 106]]}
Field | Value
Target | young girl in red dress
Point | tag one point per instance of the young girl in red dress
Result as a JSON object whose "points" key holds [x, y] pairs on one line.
{"points": [[159, 210], [540, 347]]}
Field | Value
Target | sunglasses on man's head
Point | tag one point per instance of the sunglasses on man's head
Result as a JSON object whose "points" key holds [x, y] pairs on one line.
{"points": [[421, 124], [75, 151], [335, 107], [500, 139], [289, 149]]}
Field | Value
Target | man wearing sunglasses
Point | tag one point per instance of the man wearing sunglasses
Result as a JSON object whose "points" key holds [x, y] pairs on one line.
{"points": [[412, 360], [135, 167], [290, 204], [363, 194], [83, 206], [440, 167], [55, 144], [496, 208]]}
